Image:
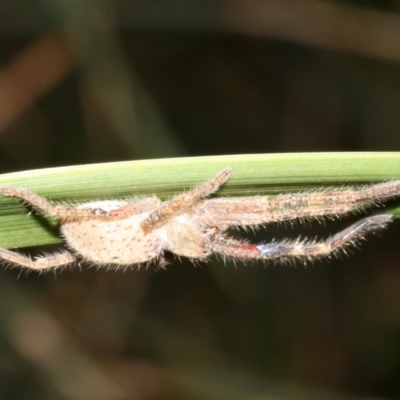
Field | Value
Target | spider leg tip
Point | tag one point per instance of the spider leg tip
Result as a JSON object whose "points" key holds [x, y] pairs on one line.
{"points": [[381, 219]]}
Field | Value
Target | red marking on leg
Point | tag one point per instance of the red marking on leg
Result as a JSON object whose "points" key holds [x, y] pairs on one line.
{"points": [[250, 247]]}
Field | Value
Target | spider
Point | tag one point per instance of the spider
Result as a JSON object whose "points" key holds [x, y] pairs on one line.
{"points": [[123, 233]]}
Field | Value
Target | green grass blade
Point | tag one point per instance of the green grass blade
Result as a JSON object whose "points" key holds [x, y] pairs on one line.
{"points": [[253, 174]]}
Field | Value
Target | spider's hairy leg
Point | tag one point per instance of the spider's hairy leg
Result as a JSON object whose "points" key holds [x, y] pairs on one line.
{"points": [[39, 264], [258, 210], [59, 211], [302, 249], [185, 200]]}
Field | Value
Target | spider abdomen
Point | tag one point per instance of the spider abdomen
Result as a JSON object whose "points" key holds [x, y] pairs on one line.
{"points": [[120, 242]]}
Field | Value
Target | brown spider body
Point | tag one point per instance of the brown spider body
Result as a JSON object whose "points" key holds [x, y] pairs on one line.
{"points": [[118, 242], [122, 233], [123, 242]]}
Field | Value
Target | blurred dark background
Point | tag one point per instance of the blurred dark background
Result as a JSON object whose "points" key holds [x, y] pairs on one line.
{"points": [[100, 80]]}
